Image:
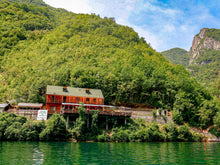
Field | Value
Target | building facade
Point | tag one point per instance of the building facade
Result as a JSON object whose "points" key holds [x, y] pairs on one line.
{"points": [[60, 98]]}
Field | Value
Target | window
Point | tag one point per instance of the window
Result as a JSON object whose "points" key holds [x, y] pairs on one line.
{"points": [[52, 98], [53, 108], [87, 99], [77, 99], [94, 100], [64, 99]]}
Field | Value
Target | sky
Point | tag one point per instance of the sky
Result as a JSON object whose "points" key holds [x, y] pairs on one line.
{"points": [[164, 24]]}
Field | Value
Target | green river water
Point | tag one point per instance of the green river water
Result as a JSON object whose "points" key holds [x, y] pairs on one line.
{"points": [[13, 153]]}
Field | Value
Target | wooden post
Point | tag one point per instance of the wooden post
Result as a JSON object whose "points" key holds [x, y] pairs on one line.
{"points": [[106, 124], [67, 121], [125, 121], [88, 122]]}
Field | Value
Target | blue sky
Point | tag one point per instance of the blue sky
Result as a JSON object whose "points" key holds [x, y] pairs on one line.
{"points": [[164, 24]]}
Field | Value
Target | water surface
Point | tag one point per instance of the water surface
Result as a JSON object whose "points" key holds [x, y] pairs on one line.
{"points": [[108, 153]]}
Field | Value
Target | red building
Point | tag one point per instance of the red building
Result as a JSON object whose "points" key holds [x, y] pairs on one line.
{"points": [[62, 98]]}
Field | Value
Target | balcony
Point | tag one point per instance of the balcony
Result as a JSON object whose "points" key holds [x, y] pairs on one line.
{"points": [[54, 101]]}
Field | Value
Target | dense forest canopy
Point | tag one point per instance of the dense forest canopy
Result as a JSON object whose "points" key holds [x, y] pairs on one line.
{"points": [[43, 46], [213, 33], [205, 69], [177, 56]]}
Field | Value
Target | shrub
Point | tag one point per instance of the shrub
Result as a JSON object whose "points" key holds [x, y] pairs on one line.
{"points": [[154, 113], [103, 137], [31, 130], [164, 118], [55, 129], [94, 125], [120, 136], [216, 119], [171, 132], [184, 133], [79, 128], [6, 120], [13, 132], [177, 117], [150, 133], [207, 111], [215, 131], [197, 137], [160, 111]]}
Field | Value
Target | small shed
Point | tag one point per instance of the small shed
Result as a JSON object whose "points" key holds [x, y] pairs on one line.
{"points": [[29, 110], [30, 106], [4, 107]]}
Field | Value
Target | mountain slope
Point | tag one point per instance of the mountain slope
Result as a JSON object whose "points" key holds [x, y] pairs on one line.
{"points": [[43, 45], [177, 56], [38, 3], [205, 56], [203, 59]]}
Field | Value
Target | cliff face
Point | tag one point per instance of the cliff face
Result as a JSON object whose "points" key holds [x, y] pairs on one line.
{"points": [[202, 41], [203, 58]]}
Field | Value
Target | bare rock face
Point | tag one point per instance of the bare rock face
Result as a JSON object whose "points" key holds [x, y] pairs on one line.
{"points": [[202, 41]]}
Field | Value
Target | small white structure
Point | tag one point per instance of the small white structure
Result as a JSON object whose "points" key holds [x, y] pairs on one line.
{"points": [[42, 115]]}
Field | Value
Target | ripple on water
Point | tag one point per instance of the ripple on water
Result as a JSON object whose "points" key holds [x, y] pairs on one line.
{"points": [[108, 153]]}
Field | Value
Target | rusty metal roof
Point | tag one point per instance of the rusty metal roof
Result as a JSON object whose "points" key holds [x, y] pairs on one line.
{"points": [[70, 91], [30, 105]]}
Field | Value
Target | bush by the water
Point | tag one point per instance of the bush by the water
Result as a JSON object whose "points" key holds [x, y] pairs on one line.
{"points": [[55, 129], [13, 127], [152, 132]]}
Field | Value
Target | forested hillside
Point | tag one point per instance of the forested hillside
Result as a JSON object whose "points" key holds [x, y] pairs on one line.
{"points": [[43, 46], [207, 66], [203, 59], [177, 56]]}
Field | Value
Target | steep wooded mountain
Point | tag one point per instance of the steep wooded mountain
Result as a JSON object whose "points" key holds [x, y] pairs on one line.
{"points": [[207, 39], [177, 56], [42, 46], [204, 58], [38, 3]]}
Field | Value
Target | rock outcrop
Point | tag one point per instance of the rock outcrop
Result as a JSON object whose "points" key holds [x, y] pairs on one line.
{"points": [[202, 41]]}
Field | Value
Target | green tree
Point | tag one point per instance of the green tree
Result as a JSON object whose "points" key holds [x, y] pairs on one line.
{"points": [[30, 130], [79, 128], [13, 132], [55, 129]]}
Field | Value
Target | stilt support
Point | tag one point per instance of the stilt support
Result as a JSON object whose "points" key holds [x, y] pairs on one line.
{"points": [[106, 124], [88, 122], [67, 121]]}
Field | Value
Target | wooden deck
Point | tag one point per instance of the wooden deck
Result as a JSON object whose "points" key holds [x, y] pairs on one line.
{"points": [[30, 114], [106, 112], [116, 111]]}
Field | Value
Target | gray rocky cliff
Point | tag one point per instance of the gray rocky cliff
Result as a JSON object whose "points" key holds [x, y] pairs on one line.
{"points": [[201, 41]]}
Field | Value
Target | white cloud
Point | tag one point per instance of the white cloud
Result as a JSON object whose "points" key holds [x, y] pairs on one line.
{"points": [[169, 28], [152, 39], [162, 25], [76, 6], [158, 9]]}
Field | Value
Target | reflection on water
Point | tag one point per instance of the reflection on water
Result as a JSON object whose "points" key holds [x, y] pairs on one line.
{"points": [[108, 153], [38, 157]]}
